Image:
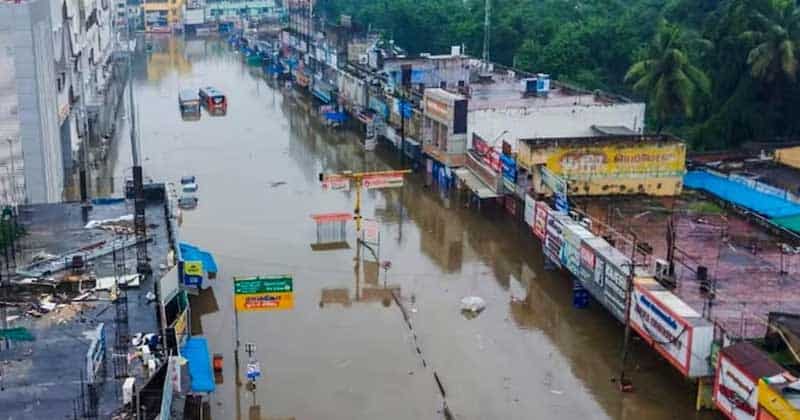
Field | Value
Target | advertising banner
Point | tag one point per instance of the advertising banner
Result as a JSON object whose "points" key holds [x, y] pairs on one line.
{"points": [[666, 323], [439, 110], [615, 290], [263, 293], [530, 210], [614, 160], [540, 220], [553, 239]]}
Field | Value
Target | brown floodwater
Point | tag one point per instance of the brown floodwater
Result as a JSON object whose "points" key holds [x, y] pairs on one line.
{"points": [[346, 349]]}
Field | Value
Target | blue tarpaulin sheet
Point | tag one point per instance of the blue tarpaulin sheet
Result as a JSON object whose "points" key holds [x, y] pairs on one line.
{"points": [[190, 252], [196, 353], [740, 194]]}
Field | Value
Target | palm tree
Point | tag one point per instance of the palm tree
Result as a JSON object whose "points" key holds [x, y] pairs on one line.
{"points": [[775, 36], [667, 77]]}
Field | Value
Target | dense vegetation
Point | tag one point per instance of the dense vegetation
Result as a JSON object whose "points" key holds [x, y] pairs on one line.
{"points": [[717, 72]]}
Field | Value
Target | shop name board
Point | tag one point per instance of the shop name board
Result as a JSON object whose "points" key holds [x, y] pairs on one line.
{"points": [[383, 181], [489, 156], [530, 210], [553, 240], [263, 293], [540, 219], [587, 256], [615, 290], [735, 393], [509, 170], [670, 336], [438, 110], [192, 273], [336, 183]]}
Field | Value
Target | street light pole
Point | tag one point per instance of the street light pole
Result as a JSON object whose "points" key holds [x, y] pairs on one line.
{"points": [[13, 172]]}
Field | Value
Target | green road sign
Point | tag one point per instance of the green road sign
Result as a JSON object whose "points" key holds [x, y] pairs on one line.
{"points": [[255, 285]]}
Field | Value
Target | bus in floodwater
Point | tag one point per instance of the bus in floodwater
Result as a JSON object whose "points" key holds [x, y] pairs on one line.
{"points": [[189, 104], [214, 100]]}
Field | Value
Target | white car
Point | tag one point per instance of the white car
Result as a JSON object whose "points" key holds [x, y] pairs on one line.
{"points": [[190, 188]]}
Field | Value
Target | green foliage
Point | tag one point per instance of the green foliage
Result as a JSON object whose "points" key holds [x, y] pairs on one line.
{"points": [[672, 84], [748, 51]]}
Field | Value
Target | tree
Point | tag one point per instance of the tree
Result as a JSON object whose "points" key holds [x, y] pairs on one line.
{"points": [[666, 76], [775, 34]]}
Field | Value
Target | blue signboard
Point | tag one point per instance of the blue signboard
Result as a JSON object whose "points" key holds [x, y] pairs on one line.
{"points": [[562, 205], [407, 108], [509, 166]]}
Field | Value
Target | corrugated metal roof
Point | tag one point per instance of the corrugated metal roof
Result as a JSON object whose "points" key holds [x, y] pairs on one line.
{"points": [[751, 360]]}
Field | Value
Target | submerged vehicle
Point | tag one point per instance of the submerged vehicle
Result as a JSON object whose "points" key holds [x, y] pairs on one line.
{"points": [[189, 104], [213, 100]]}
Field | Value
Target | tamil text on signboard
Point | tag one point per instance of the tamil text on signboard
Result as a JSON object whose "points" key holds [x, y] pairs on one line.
{"points": [[383, 181], [263, 293], [336, 183]]}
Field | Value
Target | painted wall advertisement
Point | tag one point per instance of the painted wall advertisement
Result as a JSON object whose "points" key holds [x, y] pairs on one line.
{"points": [[653, 316], [540, 219], [575, 162], [735, 394], [263, 293]]}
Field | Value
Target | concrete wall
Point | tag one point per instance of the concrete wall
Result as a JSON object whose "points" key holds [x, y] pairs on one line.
{"points": [[555, 121], [29, 27]]}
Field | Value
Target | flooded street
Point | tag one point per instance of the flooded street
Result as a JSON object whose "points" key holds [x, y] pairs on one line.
{"points": [[346, 351]]}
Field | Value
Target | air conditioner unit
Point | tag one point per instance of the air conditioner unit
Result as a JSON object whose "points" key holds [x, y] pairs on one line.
{"points": [[363, 60], [661, 270]]}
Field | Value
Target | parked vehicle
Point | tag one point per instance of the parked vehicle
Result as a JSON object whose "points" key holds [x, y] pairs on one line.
{"points": [[213, 100], [188, 179], [189, 188]]}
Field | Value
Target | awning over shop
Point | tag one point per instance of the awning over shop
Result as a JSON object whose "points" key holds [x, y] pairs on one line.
{"points": [[196, 353], [475, 184], [190, 252]]}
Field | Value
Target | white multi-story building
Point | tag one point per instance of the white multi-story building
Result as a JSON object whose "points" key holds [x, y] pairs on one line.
{"points": [[54, 65], [29, 115]]}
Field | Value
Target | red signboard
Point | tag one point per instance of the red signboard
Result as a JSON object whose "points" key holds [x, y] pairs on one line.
{"points": [[587, 256], [331, 217], [383, 181], [540, 220], [489, 155]]}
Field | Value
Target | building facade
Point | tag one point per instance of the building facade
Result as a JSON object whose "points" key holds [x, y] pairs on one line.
{"points": [[29, 118]]}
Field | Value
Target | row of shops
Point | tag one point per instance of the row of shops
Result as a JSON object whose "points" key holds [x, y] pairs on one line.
{"points": [[192, 268], [531, 173]]}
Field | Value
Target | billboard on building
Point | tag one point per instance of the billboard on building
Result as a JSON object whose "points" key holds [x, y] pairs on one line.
{"points": [[582, 161]]}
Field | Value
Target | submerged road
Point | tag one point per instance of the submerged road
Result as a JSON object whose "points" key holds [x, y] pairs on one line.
{"points": [[346, 350]]}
